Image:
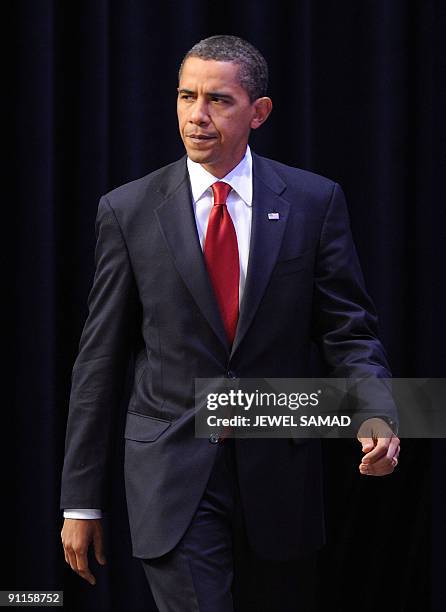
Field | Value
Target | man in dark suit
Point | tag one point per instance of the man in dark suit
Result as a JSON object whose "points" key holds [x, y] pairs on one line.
{"points": [[223, 263]]}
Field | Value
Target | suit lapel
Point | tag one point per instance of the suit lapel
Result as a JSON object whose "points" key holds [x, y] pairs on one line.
{"points": [[177, 222], [266, 239]]}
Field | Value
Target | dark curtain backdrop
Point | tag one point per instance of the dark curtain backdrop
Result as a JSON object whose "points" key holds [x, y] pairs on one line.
{"points": [[357, 97]]}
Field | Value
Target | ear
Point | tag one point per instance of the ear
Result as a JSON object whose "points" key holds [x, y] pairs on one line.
{"points": [[262, 109]]}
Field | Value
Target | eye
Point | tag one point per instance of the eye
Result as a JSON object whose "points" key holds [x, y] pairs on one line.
{"points": [[185, 96]]}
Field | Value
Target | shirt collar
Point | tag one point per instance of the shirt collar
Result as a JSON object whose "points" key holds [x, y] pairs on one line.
{"points": [[240, 178]]}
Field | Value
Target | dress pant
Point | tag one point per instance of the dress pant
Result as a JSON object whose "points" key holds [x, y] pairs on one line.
{"points": [[213, 568]]}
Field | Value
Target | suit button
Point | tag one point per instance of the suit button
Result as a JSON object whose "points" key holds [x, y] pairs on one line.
{"points": [[213, 438], [231, 374]]}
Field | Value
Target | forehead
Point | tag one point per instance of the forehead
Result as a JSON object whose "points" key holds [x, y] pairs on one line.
{"points": [[209, 75]]}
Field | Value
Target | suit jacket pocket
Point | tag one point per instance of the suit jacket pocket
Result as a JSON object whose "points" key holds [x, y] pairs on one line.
{"points": [[288, 266], [143, 428]]}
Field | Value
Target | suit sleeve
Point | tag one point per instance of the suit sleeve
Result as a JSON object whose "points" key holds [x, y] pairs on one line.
{"points": [[100, 368], [345, 324]]}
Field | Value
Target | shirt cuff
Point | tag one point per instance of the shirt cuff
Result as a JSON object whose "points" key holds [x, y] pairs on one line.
{"points": [[82, 513]]}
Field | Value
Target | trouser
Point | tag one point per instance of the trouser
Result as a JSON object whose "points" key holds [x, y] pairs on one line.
{"points": [[213, 568]]}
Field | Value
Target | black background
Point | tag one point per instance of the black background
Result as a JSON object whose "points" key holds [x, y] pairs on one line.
{"points": [[358, 98]]}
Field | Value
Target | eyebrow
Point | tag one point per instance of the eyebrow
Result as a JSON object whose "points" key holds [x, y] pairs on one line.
{"points": [[211, 94]]}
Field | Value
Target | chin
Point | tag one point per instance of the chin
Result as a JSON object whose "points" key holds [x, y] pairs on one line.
{"points": [[199, 157]]}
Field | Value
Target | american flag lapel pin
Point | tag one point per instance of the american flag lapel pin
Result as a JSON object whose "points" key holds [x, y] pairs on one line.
{"points": [[273, 216]]}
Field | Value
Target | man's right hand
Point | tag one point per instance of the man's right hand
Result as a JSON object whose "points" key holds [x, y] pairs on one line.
{"points": [[76, 536]]}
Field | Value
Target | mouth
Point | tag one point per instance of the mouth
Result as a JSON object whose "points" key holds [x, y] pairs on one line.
{"points": [[200, 137]]}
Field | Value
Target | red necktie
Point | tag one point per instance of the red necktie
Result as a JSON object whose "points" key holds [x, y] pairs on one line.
{"points": [[222, 261]]}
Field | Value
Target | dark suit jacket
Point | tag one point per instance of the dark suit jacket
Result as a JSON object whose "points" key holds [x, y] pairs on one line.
{"points": [[151, 297]]}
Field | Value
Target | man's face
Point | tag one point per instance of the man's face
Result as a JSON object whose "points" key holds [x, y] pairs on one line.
{"points": [[215, 114]]}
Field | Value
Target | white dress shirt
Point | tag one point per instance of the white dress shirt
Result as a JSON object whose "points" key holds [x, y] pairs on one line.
{"points": [[239, 204]]}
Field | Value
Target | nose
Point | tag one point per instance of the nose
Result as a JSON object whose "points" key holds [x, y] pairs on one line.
{"points": [[199, 113]]}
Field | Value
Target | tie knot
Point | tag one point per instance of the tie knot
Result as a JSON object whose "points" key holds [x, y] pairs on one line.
{"points": [[221, 191]]}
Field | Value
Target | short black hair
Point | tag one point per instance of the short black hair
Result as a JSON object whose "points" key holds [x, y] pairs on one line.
{"points": [[253, 69]]}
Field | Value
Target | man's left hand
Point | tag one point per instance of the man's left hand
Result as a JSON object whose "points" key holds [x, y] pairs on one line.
{"points": [[381, 448]]}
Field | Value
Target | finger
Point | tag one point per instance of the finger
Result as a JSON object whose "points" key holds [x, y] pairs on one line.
{"points": [[367, 444], [379, 451], [71, 558], [65, 552], [393, 447], [82, 567], [99, 547], [382, 462], [64, 547], [381, 467], [372, 471]]}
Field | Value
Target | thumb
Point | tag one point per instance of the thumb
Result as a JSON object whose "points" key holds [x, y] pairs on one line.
{"points": [[367, 444], [99, 547]]}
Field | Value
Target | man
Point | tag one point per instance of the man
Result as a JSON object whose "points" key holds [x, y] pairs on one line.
{"points": [[222, 263]]}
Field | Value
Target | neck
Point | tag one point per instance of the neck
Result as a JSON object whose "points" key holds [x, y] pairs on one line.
{"points": [[221, 170]]}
